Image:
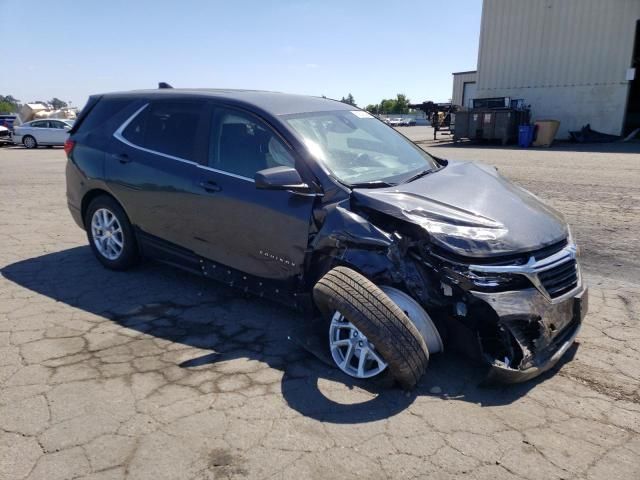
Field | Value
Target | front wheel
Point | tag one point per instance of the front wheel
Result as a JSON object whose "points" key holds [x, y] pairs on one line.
{"points": [[110, 234], [368, 332], [29, 142]]}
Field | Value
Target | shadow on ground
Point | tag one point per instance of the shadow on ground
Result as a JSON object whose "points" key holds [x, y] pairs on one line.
{"points": [[166, 303]]}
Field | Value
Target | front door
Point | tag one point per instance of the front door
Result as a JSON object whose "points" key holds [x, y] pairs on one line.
{"points": [[58, 132], [260, 232]]}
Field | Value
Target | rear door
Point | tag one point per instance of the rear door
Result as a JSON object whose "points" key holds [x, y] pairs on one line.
{"points": [[153, 167], [260, 232], [47, 133]]}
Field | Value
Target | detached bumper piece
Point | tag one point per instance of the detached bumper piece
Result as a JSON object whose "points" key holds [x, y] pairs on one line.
{"points": [[532, 334]]}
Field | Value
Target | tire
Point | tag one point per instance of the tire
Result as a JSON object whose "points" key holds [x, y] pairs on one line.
{"points": [[29, 142], [371, 311], [128, 252]]}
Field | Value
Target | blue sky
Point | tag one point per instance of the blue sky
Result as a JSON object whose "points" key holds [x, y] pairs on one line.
{"points": [[373, 49]]}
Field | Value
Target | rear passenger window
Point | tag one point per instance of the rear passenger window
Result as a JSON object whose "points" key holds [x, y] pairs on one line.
{"points": [[168, 127], [241, 144]]}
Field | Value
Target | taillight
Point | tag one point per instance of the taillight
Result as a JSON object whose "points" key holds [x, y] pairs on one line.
{"points": [[68, 146]]}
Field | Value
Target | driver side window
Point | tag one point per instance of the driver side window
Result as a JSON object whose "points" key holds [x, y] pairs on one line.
{"points": [[242, 145]]}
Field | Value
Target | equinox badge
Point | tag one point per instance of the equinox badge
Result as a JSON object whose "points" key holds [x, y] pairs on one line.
{"points": [[277, 258]]}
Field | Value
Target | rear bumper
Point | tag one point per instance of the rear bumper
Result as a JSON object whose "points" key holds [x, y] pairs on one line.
{"points": [[76, 214], [543, 331]]}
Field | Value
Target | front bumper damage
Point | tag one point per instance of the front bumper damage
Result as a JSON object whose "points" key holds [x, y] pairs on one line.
{"points": [[517, 313], [532, 333]]}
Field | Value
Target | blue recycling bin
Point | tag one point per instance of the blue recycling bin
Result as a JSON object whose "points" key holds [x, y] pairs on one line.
{"points": [[525, 135]]}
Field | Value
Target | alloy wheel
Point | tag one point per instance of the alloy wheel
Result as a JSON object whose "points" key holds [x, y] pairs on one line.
{"points": [[107, 234], [352, 352]]}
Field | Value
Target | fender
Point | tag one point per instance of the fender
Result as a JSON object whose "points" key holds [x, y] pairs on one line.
{"points": [[348, 239]]}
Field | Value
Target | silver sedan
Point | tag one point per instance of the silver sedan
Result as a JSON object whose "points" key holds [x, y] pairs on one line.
{"points": [[51, 131]]}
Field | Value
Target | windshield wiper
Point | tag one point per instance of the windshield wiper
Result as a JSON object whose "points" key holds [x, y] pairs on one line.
{"points": [[372, 184], [418, 175]]}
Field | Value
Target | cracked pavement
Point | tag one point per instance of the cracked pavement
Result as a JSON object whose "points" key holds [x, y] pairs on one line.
{"points": [[159, 374]]}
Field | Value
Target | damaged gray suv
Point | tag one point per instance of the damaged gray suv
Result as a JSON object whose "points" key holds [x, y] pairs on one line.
{"points": [[395, 253]]}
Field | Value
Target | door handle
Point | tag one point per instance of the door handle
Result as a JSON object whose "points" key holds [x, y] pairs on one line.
{"points": [[210, 186], [123, 158]]}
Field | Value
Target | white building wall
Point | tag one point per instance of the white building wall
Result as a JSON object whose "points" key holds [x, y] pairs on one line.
{"points": [[567, 58], [459, 79]]}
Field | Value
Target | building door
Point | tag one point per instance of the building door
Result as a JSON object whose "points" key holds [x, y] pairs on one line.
{"points": [[632, 117], [468, 93]]}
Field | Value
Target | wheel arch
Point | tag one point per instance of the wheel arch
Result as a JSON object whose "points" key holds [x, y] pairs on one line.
{"points": [[89, 196], [373, 313]]}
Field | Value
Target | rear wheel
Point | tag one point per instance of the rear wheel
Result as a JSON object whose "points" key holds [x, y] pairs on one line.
{"points": [[29, 142], [110, 234], [368, 332]]}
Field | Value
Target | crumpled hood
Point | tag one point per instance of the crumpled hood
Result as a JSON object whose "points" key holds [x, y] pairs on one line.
{"points": [[471, 210]]}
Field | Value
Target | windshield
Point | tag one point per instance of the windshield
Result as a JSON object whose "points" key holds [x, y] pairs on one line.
{"points": [[358, 149]]}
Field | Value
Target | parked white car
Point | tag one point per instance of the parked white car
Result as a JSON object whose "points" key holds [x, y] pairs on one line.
{"points": [[5, 134], [50, 131]]}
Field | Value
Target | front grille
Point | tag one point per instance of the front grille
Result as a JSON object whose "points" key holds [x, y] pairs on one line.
{"points": [[560, 279]]}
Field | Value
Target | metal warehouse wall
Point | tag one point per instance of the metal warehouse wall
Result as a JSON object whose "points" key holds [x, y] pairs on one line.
{"points": [[567, 58], [459, 79]]}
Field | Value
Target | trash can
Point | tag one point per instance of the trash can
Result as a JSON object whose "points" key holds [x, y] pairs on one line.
{"points": [[525, 135], [546, 132]]}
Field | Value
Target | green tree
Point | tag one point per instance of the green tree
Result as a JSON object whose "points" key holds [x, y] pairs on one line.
{"points": [[10, 99], [6, 107], [57, 104], [9, 104], [387, 105], [402, 104], [349, 100], [373, 108]]}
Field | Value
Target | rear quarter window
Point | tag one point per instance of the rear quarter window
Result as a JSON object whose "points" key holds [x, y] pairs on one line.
{"points": [[134, 132], [105, 109]]}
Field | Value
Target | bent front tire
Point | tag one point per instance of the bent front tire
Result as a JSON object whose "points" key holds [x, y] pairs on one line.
{"points": [[368, 332]]}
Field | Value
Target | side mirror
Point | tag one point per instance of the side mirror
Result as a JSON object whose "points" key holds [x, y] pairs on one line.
{"points": [[280, 178]]}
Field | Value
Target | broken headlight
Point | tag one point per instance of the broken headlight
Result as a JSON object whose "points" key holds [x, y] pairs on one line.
{"points": [[489, 282], [571, 240]]}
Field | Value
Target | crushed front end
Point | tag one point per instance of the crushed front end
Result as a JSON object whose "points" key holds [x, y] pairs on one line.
{"points": [[523, 311], [494, 267]]}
